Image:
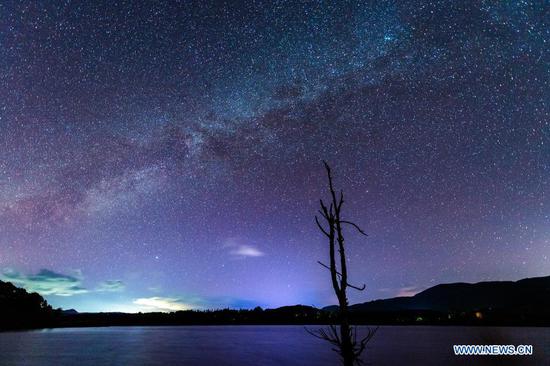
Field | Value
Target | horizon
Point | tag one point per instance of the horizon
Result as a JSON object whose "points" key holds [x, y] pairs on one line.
{"points": [[298, 304], [305, 305], [167, 156]]}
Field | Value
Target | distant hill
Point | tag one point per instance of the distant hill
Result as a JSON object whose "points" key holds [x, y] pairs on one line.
{"points": [[69, 312], [524, 302], [20, 309], [469, 297], [527, 299]]}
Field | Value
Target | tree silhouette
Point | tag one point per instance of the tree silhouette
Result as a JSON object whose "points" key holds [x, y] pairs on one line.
{"points": [[344, 339], [20, 309]]}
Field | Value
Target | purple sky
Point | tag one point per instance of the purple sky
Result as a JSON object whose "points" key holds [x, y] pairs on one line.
{"points": [[168, 156]]}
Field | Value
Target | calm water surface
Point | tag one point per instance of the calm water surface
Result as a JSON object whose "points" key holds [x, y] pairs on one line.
{"points": [[258, 345]]}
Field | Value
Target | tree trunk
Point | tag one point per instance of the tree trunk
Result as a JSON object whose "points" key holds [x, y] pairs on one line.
{"points": [[348, 354], [346, 343]]}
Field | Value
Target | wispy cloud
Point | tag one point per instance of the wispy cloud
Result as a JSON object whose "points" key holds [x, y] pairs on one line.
{"points": [[246, 251], [50, 283], [46, 282], [162, 304], [242, 250], [111, 286]]}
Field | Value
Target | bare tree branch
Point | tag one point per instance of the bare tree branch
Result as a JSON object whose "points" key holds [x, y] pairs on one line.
{"points": [[362, 288], [327, 267], [339, 274], [354, 225], [341, 200], [321, 227]]}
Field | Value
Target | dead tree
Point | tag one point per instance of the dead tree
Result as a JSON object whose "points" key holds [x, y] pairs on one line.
{"points": [[343, 338]]}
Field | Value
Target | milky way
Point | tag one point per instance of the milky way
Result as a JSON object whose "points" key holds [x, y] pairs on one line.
{"points": [[168, 156]]}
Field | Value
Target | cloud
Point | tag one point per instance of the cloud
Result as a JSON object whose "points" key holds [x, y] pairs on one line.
{"points": [[246, 251], [46, 282], [162, 304], [242, 250], [191, 302], [111, 286]]}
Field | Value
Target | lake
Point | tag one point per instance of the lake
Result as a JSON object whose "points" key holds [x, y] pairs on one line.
{"points": [[258, 345]]}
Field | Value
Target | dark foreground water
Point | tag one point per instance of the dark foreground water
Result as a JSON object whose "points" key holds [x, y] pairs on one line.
{"points": [[258, 345]]}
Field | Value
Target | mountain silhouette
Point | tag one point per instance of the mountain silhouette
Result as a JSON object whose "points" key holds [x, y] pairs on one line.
{"points": [[525, 301], [529, 292]]}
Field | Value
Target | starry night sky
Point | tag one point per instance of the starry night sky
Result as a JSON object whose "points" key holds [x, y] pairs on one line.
{"points": [[168, 156]]}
